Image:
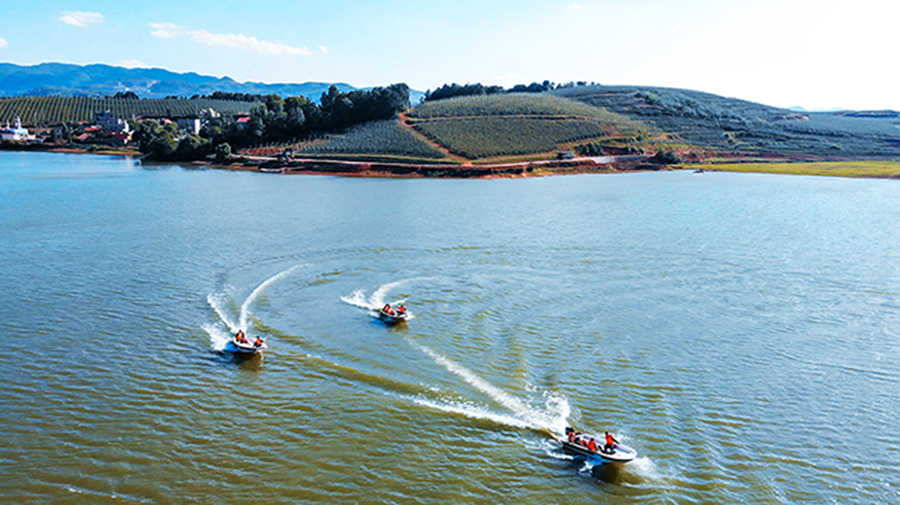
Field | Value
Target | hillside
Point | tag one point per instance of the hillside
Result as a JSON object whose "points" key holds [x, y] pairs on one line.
{"points": [[53, 110], [515, 124], [60, 79], [729, 124]]}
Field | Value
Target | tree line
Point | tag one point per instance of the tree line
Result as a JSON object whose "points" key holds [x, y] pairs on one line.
{"points": [[272, 120], [454, 90]]}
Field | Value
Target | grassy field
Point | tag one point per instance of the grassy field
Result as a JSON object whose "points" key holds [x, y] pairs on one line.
{"points": [[879, 169]]}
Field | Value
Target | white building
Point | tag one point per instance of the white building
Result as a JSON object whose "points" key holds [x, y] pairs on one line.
{"points": [[189, 124], [17, 133], [111, 124]]}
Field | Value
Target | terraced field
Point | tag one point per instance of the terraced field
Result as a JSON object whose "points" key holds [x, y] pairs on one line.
{"points": [[478, 127], [55, 110], [514, 104], [381, 138], [483, 137]]}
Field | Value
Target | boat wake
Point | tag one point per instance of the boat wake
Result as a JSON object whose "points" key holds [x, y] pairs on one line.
{"points": [[221, 332], [376, 301], [548, 412]]}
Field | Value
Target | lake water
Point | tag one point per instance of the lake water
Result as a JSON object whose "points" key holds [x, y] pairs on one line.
{"points": [[742, 332]]}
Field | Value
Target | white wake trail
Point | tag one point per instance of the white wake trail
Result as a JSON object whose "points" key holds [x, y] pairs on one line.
{"points": [[219, 336], [217, 302], [245, 308], [380, 293], [552, 418], [473, 411], [377, 300]]}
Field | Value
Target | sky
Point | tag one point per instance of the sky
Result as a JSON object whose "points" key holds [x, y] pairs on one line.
{"points": [[818, 54]]}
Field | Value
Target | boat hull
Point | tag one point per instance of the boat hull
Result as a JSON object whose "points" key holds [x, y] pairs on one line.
{"points": [[238, 348], [392, 319], [621, 453]]}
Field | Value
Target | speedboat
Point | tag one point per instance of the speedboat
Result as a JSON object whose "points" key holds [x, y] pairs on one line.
{"points": [[579, 447], [246, 347], [393, 317]]}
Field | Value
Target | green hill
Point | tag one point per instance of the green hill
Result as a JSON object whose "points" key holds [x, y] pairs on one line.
{"points": [[54, 110], [502, 125], [386, 140], [705, 120]]}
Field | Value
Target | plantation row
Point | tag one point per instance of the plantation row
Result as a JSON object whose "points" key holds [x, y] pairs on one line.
{"points": [[386, 137], [484, 137], [516, 104], [54, 110]]}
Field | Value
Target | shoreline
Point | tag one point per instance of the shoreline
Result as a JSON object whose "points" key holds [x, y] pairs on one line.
{"points": [[853, 168]]}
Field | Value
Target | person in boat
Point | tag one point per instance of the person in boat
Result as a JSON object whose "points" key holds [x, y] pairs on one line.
{"points": [[570, 434], [388, 310], [592, 445], [402, 309], [240, 338], [258, 342], [611, 442]]}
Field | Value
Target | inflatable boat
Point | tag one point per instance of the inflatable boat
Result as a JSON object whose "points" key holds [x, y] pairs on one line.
{"points": [[246, 347], [579, 444], [393, 317]]}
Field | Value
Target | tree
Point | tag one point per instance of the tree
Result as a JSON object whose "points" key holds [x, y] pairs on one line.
{"points": [[223, 151], [664, 158], [191, 147], [156, 142]]}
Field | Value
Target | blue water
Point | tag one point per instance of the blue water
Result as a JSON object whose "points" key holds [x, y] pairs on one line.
{"points": [[740, 331]]}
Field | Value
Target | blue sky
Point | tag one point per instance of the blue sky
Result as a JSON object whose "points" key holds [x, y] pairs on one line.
{"points": [[815, 54]]}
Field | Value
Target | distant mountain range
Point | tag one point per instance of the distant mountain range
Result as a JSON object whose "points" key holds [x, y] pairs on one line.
{"points": [[60, 79]]}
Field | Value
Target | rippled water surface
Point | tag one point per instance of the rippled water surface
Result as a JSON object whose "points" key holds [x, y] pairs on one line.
{"points": [[739, 331]]}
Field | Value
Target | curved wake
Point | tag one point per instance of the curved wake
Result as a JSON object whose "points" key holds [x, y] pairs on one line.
{"points": [[220, 336], [245, 308], [550, 416], [377, 300]]}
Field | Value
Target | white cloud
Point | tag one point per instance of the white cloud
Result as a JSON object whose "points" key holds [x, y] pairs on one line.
{"points": [[324, 49], [134, 64], [2, 42], [166, 30], [82, 19], [229, 40], [574, 7]]}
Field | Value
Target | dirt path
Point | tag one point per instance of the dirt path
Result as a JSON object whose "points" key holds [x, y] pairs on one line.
{"points": [[404, 121]]}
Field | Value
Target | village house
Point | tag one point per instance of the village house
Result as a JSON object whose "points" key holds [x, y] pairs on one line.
{"points": [[16, 133], [110, 130], [189, 124]]}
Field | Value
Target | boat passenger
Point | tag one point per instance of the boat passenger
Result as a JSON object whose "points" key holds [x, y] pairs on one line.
{"points": [[611, 442], [571, 436], [258, 342], [592, 445], [402, 309]]}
